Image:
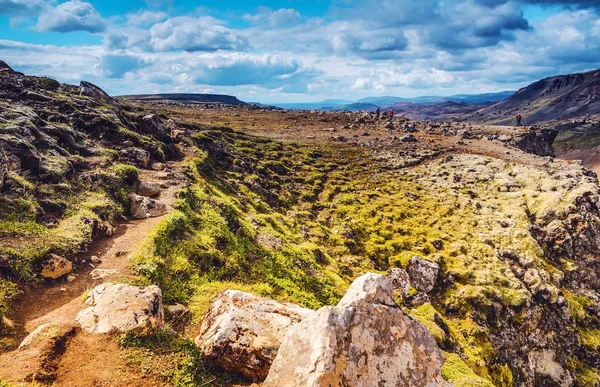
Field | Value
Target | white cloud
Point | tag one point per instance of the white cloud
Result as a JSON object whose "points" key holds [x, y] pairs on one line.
{"points": [[185, 33], [145, 17], [21, 7], [283, 17], [71, 16]]}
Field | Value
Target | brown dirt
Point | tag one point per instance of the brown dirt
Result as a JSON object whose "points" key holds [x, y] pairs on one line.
{"points": [[87, 360]]}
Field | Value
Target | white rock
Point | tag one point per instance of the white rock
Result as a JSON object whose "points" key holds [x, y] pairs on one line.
{"points": [[364, 341], [122, 308], [241, 332], [142, 207]]}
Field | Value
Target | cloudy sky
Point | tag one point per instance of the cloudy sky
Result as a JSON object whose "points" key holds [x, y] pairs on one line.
{"points": [[301, 50]]}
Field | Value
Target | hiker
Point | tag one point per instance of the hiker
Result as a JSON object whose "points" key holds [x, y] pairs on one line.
{"points": [[391, 114], [518, 119], [377, 113]]}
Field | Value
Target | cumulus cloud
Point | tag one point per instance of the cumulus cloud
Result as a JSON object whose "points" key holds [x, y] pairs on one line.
{"points": [[74, 15], [275, 18], [185, 33], [21, 7], [247, 70], [145, 18]]}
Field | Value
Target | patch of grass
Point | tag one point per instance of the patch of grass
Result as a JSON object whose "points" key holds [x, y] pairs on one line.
{"points": [[177, 362]]}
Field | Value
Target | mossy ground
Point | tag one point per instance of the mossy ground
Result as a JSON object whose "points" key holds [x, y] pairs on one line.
{"points": [[58, 218], [299, 223]]}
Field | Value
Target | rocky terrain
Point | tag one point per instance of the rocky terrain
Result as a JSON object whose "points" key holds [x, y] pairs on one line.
{"points": [[229, 246], [562, 97]]}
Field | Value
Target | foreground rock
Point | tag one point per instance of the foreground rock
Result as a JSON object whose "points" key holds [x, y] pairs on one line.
{"points": [[142, 207], [242, 332], [366, 340], [122, 308]]}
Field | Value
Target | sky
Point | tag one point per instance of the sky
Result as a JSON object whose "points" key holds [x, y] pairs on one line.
{"points": [[301, 50]]}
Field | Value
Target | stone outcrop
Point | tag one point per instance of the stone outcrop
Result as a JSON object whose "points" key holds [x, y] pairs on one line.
{"points": [[90, 90], [366, 340], [142, 207], [241, 332], [122, 308]]}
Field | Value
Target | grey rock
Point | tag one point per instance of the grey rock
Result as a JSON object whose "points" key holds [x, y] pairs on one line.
{"points": [[423, 274]]}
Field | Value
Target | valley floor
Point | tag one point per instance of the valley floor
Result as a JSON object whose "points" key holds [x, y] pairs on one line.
{"points": [[295, 205]]}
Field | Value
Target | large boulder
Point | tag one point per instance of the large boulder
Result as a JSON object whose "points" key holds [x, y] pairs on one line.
{"points": [[364, 341], [423, 274], [241, 332], [122, 308], [142, 207], [148, 189], [55, 267]]}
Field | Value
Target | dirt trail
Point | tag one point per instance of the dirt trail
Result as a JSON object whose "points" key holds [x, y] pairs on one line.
{"points": [[37, 304]]}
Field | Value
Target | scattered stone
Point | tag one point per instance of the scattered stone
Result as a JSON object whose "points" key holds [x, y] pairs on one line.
{"points": [[97, 274], [71, 278], [364, 341], [438, 244], [121, 253], [95, 259], [148, 189], [6, 323], [423, 274], [122, 308], [241, 332], [177, 311], [55, 267], [128, 143], [408, 138], [340, 138], [142, 207], [158, 166]]}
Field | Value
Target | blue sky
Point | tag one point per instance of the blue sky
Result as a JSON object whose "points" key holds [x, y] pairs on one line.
{"points": [[301, 50]]}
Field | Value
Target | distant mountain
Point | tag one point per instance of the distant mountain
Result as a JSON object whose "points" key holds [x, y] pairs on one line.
{"points": [[466, 98], [187, 98], [328, 104], [554, 98], [445, 111]]}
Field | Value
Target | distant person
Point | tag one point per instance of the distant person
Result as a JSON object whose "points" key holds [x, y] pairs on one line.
{"points": [[518, 119], [391, 114], [378, 113]]}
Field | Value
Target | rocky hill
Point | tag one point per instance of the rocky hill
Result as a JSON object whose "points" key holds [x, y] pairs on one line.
{"points": [[186, 98], [231, 246], [554, 98]]}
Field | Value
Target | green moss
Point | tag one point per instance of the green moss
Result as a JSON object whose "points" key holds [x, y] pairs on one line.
{"points": [[459, 374], [590, 338]]}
